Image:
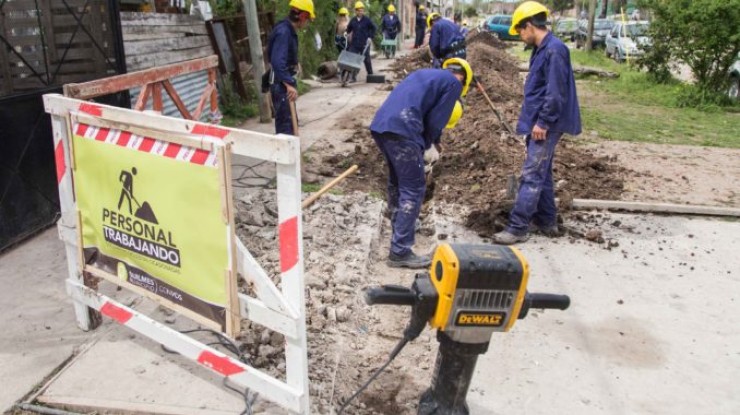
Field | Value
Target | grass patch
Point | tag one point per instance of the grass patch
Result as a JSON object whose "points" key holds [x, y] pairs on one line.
{"points": [[634, 108]]}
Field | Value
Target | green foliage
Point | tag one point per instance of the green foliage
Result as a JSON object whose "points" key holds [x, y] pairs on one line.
{"points": [[560, 5], [470, 11], [234, 110], [226, 8], [704, 34]]}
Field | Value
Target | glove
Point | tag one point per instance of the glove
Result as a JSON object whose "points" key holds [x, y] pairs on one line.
{"points": [[431, 156]]}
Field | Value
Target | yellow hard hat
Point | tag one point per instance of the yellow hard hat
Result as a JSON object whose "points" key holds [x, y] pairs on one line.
{"points": [[391, 8], [421, 7], [359, 5], [524, 11], [304, 5], [432, 16], [457, 113], [460, 65], [343, 11]]}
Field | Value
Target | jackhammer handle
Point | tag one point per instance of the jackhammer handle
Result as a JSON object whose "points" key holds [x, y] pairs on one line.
{"points": [[390, 294], [538, 300]]}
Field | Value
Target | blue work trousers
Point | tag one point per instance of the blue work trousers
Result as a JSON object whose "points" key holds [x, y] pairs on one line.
{"points": [[281, 105], [535, 201], [419, 37], [406, 187]]}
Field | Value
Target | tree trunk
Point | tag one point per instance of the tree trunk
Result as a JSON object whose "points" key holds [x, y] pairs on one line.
{"points": [[255, 50], [591, 18]]}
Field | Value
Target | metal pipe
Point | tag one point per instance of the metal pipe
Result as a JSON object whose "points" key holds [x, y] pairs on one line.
{"points": [[44, 409]]}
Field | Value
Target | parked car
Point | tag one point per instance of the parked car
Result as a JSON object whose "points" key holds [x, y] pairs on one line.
{"points": [[601, 29], [734, 90], [566, 29], [499, 25], [627, 40]]}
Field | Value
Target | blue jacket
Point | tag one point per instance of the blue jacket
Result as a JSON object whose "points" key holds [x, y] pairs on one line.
{"points": [[419, 107], [362, 30], [550, 99], [421, 21], [282, 51], [390, 23], [444, 33]]}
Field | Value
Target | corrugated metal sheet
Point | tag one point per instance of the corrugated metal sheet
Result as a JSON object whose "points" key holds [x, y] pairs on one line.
{"points": [[189, 87]]}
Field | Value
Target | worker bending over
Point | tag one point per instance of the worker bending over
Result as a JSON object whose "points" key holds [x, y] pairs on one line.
{"points": [[549, 110], [410, 122], [445, 39], [282, 51]]}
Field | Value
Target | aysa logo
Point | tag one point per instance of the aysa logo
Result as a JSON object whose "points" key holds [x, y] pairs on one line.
{"points": [[134, 226]]}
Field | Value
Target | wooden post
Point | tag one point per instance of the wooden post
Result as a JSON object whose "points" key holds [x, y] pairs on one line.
{"points": [[590, 34], [255, 50]]}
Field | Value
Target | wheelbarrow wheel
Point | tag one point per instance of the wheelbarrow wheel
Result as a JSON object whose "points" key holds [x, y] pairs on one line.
{"points": [[345, 77]]}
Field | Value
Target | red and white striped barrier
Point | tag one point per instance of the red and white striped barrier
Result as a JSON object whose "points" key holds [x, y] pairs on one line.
{"points": [[193, 142]]}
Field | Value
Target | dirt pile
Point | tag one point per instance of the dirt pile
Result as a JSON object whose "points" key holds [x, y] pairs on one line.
{"points": [[481, 161]]}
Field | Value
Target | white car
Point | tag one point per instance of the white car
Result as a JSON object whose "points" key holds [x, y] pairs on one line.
{"points": [[627, 40]]}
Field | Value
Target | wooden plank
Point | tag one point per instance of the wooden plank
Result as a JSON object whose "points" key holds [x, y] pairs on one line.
{"points": [[165, 58], [655, 207], [157, 97], [7, 81], [95, 30], [24, 40], [158, 19], [176, 99], [141, 100], [189, 29], [169, 44], [130, 80]]}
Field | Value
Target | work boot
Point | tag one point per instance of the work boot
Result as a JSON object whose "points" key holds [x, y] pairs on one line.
{"points": [[508, 238], [550, 231], [410, 260]]}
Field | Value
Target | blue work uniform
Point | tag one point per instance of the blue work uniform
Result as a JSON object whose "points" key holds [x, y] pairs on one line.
{"points": [[410, 120], [421, 27], [282, 51], [390, 26], [446, 41], [550, 102], [361, 29]]}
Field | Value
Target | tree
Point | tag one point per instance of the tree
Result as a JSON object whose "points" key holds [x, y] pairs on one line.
{"points": [[560, 5], [703, 34], [470, 11]]}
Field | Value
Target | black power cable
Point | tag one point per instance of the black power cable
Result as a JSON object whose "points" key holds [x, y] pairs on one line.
{"points": [[396, 350], [232, 347]]}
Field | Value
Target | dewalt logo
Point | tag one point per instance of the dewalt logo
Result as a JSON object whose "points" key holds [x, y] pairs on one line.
{"points": [[480, 319]]}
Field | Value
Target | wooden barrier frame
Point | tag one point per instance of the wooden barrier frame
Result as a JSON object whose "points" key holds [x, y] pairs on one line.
{"points": [[282, 311], [152, 81]]}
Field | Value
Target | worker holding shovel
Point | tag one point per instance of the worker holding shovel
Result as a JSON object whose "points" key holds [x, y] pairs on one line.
{"points": [[408, 124], [282, 51], [550, 109]]}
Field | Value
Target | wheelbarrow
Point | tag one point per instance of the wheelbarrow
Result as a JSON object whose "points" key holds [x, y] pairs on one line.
{"points": [[389, 47], [350, 63]]}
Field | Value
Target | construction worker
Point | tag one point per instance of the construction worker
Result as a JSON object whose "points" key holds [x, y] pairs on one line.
{"points": [[390, 25], [445, 40], [408, 125], [340, 29], [282, 51], [362, 31], [421, 26], [549, 110], [464, 28]]}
